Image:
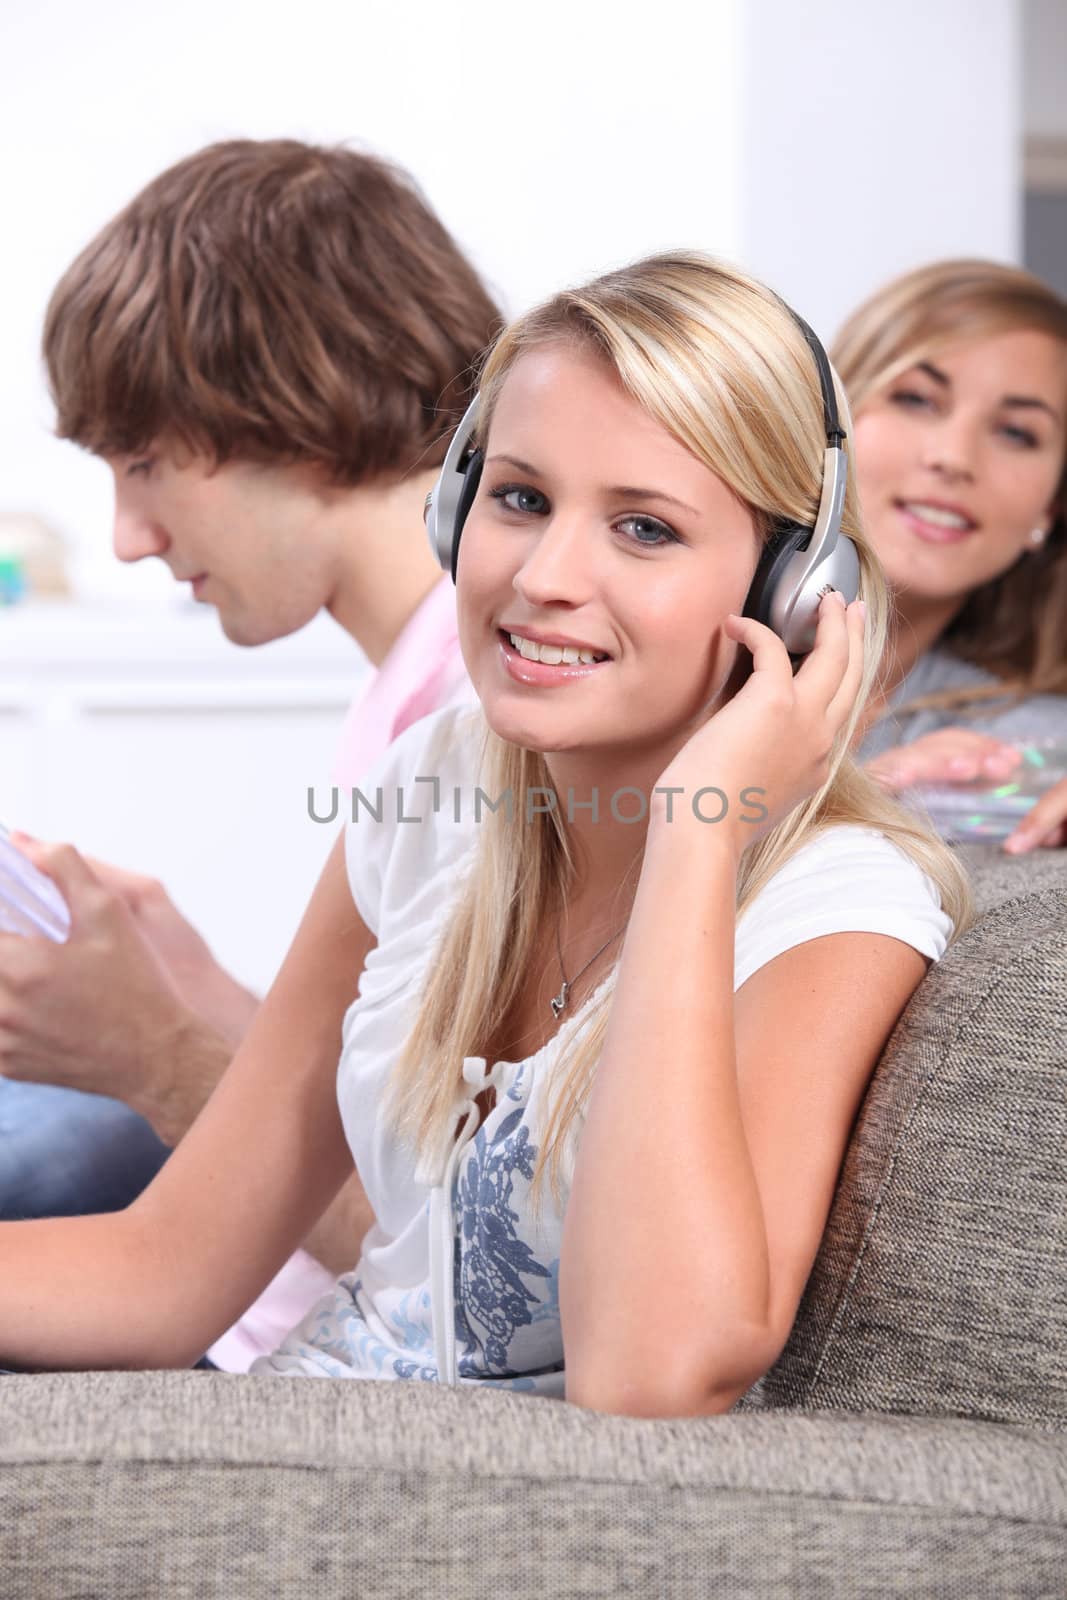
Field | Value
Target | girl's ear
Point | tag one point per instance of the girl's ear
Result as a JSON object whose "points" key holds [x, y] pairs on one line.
{"points": [[1052, 520], [739, 675]]}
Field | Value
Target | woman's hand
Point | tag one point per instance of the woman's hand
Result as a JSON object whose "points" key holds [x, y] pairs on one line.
{"points": [[1045, 825], [776, 735], [951, 755]]}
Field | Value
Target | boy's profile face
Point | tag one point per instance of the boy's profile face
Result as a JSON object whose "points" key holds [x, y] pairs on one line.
{"points": [[251, 539]]}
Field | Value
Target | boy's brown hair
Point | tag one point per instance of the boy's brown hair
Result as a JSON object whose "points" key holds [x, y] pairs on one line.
{"points": [[271, 301]]}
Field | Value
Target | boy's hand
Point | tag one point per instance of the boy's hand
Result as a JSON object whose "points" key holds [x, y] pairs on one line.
{"points": [[100, 1012]]}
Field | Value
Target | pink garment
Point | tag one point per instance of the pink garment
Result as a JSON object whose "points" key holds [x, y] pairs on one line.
{"points": [[422, 672]]}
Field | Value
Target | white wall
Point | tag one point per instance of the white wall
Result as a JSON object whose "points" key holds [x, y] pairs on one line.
{"points": [[825, 147], [875, 137], [547, 137]]}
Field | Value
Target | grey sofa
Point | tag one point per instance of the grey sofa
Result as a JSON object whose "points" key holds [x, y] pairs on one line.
{"points": [[911, 1440]]}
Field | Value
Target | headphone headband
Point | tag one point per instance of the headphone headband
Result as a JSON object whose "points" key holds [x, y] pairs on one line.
{"points": [[835, 433]]}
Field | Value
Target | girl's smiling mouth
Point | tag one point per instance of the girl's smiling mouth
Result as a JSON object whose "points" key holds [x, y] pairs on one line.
{"points": [[546, 662], [936, 522]]}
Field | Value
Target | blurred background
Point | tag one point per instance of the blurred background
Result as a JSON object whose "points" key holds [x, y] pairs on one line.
{"points": [[826, 149]]}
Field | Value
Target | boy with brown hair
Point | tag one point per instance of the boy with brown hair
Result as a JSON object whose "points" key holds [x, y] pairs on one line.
{"points": [[269, 347]]}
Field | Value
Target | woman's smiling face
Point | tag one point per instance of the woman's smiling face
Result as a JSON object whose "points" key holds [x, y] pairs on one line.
{"points": [[958, 461], [595, 531]]}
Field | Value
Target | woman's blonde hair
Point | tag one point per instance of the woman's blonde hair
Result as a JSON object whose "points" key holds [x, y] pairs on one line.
{"points": [[720, 361], [1014, 626]]}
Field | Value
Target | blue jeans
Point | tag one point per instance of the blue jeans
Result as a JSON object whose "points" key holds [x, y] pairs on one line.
{"points": [[68, 1154]]}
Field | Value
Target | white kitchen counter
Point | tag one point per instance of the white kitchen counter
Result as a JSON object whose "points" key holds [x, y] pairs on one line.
{"points": [[146, 738], [180, 638]]}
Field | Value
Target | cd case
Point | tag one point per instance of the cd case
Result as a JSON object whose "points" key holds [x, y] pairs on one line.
{"points": [[30, 903], [965, 813]]}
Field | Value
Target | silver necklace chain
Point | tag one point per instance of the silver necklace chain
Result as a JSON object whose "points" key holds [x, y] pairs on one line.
{"points": [[559, 1002]]}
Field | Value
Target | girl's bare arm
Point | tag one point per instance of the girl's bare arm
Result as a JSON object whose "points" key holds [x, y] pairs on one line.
{"points": [[716, 1128], [155, 1285]]}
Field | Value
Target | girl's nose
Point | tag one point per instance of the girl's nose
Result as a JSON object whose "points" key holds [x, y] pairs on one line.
{"points": [[951, 448], [556, 568]]}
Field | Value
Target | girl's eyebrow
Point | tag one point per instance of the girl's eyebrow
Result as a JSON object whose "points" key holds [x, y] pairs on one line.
{"points": [[1032, 403], [629, 491], [621, 491], [514, 461], [935, 372], [1026, 401]]}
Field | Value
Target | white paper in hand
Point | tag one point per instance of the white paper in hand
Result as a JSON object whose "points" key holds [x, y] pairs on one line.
{"points": [[30, 903]]}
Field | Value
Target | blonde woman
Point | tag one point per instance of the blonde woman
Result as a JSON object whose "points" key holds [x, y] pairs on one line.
{"points": [[957, 375], [609, 1039]]}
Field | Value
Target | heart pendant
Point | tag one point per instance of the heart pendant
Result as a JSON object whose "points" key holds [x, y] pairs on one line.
{"points": [[559, 1002]]}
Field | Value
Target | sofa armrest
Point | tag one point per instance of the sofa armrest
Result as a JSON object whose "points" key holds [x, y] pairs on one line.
{"points": [[179, 1484], [997, 877]]}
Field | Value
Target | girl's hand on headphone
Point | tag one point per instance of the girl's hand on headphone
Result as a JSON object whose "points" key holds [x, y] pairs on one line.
{"points": [[777, 734], [951, 755]]}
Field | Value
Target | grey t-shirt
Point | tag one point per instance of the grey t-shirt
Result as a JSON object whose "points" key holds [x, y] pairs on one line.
{"points": [[1041, 716]]}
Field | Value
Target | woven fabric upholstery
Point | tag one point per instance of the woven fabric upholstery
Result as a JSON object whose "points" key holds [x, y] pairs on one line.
{"points": [[997, 877], [199, 1486], [941, 1283]]}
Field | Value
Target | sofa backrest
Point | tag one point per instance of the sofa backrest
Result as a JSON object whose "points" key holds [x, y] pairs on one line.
{"points": [[940, 1286]]}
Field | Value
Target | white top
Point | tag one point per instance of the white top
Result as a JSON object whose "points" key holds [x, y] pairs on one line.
{"points": [[457, 1281]]}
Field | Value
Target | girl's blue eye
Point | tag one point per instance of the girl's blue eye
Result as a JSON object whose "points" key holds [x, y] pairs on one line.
{"points": [[1020, 436], [648, 531], [521, 498], [908, 399]]}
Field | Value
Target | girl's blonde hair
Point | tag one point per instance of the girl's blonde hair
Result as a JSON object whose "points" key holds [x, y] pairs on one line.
{"points": [[1014, 626], [720, 361]]}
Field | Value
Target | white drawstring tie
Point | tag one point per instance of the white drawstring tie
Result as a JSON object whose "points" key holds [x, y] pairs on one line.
{"points": [[442, 1220]]}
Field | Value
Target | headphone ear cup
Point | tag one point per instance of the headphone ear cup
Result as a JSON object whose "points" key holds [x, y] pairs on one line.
{"points": [[840, 571], [472, 477], [778, 552], [779, 588]]}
